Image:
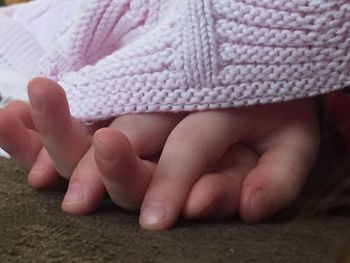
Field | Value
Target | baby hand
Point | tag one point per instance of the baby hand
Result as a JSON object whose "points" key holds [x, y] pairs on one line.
{"points": [[252, 161]]}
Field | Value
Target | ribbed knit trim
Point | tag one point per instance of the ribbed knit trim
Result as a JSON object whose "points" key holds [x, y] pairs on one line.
{"points": [[13, 86], [127, 56], [18, 47], [4, 154], [208, 54]]}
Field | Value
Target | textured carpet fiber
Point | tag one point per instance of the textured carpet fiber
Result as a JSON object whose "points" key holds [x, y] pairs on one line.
{"points": [[34, 229]]}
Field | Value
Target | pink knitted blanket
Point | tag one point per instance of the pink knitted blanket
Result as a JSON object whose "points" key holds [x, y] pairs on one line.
{"points": [[127, 56]]}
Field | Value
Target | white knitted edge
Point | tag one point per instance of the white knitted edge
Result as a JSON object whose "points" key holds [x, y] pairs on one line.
{"points": [[4, 154], [12, 87]]}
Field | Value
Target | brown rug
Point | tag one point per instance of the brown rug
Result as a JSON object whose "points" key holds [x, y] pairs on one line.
{"points": [[34, 229]]}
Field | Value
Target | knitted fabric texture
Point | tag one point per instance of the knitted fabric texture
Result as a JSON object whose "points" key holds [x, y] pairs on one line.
{"points": [[130, 56]]}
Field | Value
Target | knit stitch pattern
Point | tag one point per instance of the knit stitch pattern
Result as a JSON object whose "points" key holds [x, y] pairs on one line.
{"points": [[132, 56]]}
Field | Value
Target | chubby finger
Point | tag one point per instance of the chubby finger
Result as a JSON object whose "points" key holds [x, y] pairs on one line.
{"points": [[64, 138], [22, 111], [43, 174], [217, 193], [147, 133], [125, 175], [132, 137], [195, 144], [20, 143], [280, 173], [144, 133], [67, 143], [86, 189]]}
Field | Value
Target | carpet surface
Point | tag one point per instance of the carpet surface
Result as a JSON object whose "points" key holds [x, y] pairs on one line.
{"points": [[34, 229]]}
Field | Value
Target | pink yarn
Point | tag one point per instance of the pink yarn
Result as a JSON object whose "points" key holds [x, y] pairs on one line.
{"points": [[130, 56]]}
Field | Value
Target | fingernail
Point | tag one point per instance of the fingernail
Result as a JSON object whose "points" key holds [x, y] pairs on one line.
{"points": [[153, 213], [75, 194]]}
